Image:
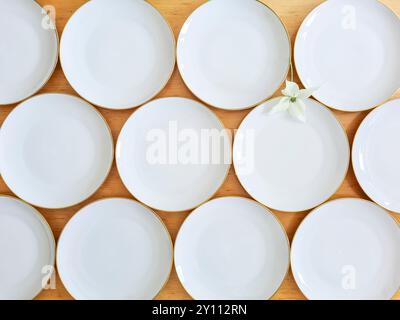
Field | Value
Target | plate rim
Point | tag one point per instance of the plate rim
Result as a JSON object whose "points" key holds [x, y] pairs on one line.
{"points": [[111, 141], [286, 74], [126, 107], [267, 211], [354, 158], [313, 212], [212, 112], [49, 231], [150, 210], [344, 174], [296, 39], [53, 68]]}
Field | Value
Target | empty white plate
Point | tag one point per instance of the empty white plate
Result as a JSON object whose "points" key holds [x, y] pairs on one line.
{"points": [[233, 54], [27, 250], [231, 248], [350, 50], [173, 154], [114, 249], [28, 49], [117, 54], [55, 150], [289, 165], [347, 249], [376, 155]]}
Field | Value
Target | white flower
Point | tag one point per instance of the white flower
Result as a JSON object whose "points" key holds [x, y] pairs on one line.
{"points": [[293, 101]]}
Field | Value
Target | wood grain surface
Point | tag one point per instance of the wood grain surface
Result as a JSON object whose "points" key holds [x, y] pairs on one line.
{"points": [[292, 12]]}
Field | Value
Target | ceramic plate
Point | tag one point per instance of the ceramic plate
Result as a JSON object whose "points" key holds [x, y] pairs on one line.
{"points": [[376, 155], [347, 249], [114, 249], [55, 150], [173, 154], [231, 248], [233, 54], [289, 165], [25, 28], [27, 250], [349, 50], [117, 54]]}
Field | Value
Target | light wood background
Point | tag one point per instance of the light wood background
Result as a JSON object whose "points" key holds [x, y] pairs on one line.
{"points": [[292, 12]]}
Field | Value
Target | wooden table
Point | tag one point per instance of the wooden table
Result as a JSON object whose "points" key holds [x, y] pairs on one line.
{"points": [[292, 12]]}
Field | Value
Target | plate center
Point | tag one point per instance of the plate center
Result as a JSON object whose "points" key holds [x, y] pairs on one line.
{"points": [[116, 51], [352, 51], [231, 54], [240, 246], [19, 251], [60, 151], [294, 159], [115, 256], [17, 38]]}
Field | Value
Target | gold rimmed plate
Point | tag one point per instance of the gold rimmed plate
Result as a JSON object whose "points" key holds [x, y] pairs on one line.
{"points": [[231, 248], [347, 249], [28, 49], [289, 165], [376, 156], [348, 50], [114, 248], [233, 54], [117, 54], [27, 250], [173, 154], [55, 150]]}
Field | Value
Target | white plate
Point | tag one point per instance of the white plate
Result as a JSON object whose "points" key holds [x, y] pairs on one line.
{"points": [[161, 157], [350, 50], [289, 165], [27, 250], [376, 155], [347, 249], [114, 249], [231, 248], [55, 150], [233, 54], [117, 54], [28, 49]]}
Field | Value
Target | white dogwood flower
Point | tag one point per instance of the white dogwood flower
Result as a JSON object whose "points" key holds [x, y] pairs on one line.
{"points": [[293, 101]]}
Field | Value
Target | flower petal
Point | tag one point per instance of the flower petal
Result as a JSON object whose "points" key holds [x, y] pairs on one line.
{"points": [[306, 93], [297, 110], [292, 89], [282, 105], [301, 104]]}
